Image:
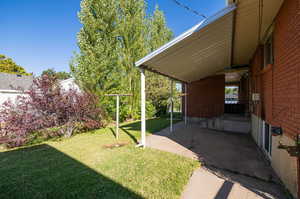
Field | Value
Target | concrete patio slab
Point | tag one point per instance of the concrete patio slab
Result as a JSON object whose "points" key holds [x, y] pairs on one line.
{"points": [[232, 166], [204, 184]]}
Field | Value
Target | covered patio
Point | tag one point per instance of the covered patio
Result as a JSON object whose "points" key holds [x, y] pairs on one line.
{"points": [[213, 54], [210, 56], [200, 58]]}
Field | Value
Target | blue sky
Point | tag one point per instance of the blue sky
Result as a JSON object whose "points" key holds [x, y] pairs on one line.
{"points": [[41, 34]]}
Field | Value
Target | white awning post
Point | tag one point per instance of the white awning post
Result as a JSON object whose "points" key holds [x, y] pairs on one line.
{"points": [[143, 109], [117, 116], [171, 114], [185, 104]]}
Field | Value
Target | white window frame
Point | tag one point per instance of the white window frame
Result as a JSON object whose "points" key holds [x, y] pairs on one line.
{"points": [[269, 152], [270, 41]]}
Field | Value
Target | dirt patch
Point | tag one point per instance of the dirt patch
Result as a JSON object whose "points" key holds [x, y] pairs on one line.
{"points": [[115, 145]]}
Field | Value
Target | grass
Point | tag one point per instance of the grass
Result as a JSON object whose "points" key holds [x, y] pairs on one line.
{"points": [[80, 167]]}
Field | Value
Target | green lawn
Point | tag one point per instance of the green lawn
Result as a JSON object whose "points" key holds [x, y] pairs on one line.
{"points": [[80, 167]]}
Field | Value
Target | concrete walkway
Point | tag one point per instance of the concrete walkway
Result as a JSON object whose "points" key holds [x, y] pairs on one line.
{"points": [[232, 167]]}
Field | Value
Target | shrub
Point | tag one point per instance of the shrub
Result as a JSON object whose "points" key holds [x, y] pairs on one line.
{"points": [[150, 111], [48, 106]]}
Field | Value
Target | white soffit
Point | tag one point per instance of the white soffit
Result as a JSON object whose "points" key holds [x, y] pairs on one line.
{"points": [[248, 31], [269, 12], [200, 52]]}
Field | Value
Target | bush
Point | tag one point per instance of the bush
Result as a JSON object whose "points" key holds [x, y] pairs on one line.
{"points": [[48, 106], [150, 111]]}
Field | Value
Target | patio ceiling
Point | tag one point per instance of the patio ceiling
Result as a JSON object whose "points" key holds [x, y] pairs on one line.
{"points": [[253, 19], [201, 51], [228, 38]]}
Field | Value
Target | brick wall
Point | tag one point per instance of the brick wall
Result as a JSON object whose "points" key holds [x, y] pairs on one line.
{"points": [[279, 84], [256, 79], [206, 97], [243, 90], [244, 93], [286, 73]]}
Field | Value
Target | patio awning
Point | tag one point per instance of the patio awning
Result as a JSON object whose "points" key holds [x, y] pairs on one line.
{"points": [[228, 38], [253, 21], [199, 52], [223, 43]]}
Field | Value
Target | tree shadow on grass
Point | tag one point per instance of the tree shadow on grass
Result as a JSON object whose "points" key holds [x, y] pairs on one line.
{"points": [[153, 125], [44, 172], [130, 135], [113, 132], [127, 132]]}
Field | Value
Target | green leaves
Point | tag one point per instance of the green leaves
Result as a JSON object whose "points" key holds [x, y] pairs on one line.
{"points": [[58, 75], [159, 32], [7, 65], [158, 87], [114, 35]]}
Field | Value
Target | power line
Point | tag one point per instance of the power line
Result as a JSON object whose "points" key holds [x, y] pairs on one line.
{"points": [[189, 9]]}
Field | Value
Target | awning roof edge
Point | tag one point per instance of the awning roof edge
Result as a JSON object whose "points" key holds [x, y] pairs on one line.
{"points": [[186, 34]]}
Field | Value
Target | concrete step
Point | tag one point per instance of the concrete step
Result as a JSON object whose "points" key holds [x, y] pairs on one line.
{"points": [[230, 124]]}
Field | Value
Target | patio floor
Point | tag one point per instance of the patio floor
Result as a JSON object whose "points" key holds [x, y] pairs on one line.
{"points": [[232, 165]]}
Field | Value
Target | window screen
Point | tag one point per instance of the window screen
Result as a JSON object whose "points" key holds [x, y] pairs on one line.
{"points": [[268, 52]]}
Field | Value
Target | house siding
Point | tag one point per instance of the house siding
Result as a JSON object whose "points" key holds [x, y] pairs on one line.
{"points": [[279, 88], [206, 97], [12, 96]]}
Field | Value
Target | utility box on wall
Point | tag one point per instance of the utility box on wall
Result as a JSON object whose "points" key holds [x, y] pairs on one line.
{"points": [[255, 97]]}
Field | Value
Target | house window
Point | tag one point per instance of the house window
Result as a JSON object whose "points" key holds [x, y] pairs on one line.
{"points": [[267, 139], [268, 51]]}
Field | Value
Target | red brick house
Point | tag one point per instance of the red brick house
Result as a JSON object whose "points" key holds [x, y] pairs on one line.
{"points": [[275, 75], [252, 44]]}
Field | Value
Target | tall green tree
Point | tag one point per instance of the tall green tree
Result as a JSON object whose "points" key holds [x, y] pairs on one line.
{"points": [[96, 67], [7, 65], [160, 34], [158, 87], [61, 75], [132, 31], [114, 35]]}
